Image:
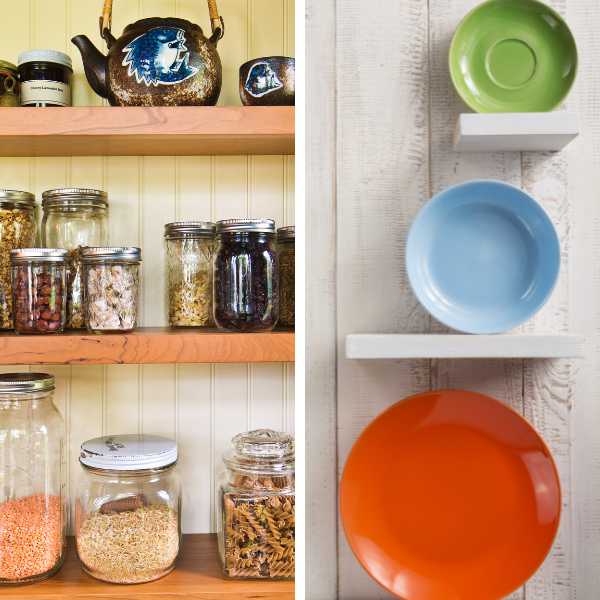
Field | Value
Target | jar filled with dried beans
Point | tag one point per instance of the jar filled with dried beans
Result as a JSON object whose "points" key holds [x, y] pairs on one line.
{"points": [[286, 242], [32, 474], [256, 513], [111, 279], [74, 218], [17, 230], [190, 248], [128, 507], [39, 280], [246, 275]]}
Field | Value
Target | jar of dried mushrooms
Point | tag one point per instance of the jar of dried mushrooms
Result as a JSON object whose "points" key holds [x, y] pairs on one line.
{"points": [[189, 265], [246, 276], [111, 279], [39, 280], [17, 230], [286, 242], [128, 507], [256, 513], [74, 218]]}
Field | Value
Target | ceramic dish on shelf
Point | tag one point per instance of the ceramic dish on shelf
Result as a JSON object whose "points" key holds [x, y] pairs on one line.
{"points": [[513, 56], [450, 494], [482, 257]]}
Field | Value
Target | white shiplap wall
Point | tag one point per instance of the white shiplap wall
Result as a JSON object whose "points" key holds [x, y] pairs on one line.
{"points": [[202, 405], [393, 123]]}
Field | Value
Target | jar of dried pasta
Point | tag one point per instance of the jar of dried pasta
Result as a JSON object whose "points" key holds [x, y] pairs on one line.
{"points": [[39, 280], [286, 243], [190, 246], [74, 218], [111, 279], [256, 512], [17, 230], [128, 508]]}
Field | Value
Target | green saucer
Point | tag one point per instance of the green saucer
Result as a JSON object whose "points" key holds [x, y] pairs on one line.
{"points": [[513, 56]]}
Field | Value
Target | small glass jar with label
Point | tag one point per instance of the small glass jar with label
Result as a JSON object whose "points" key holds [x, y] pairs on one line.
{"points": [[45, 77], [39, 281], [128, 508], [256, 514], [74, 218], [111, 280]]}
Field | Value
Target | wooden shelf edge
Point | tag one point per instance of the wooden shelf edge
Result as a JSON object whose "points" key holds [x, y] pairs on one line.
{"points": [[158, 131], [197, 575], [413, 346], [147, 346]]}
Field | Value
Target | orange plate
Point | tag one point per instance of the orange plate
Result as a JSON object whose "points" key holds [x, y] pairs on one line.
{"points": [[450, 495]]}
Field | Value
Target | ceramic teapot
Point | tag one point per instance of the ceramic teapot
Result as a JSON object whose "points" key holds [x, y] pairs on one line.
{"points": [[155, 62]]}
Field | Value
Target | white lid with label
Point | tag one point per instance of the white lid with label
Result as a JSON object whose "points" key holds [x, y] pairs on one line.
{"points": [[133, 452]]}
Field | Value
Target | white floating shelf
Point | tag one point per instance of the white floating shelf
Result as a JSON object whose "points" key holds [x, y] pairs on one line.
{"points": [[506, 132], [397, 346]]}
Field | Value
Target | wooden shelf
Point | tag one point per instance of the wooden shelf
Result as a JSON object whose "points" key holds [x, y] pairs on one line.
{"points": [[403, 346], [147, 346], [197, 576], [520, 132], [116, 131]]}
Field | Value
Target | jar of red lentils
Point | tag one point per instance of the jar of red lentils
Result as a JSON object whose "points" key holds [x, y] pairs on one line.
{"points": [[32, 473]]}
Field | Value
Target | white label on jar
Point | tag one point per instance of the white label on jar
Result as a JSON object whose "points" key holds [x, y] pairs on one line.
{"points": [[45, 92]]}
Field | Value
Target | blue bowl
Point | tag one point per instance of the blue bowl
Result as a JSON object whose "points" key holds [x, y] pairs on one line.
{"points": [[482, 257]]}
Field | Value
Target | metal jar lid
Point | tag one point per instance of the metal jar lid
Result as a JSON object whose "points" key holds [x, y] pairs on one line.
{"points": [[263, 451], [73, 198], [51, 56], [246, 225], [285, 234], [189, 229], [48, 255], [132, 452], [129, 254], [17, 198], [26, 383], [8, 66]]}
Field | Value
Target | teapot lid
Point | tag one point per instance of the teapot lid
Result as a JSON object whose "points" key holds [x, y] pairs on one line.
{"points": [[53, 56]]}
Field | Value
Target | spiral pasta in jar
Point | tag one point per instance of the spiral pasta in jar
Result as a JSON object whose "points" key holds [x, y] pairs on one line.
{"points": [[256, 513], [111, 288], [39, 279], [190, 247]]}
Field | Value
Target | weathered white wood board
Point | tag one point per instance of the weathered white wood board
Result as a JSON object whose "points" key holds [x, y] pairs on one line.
{"points": [[202, 405], [396, 114]]}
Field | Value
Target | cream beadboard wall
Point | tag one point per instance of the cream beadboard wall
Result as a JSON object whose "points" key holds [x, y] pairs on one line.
{"points": [[201, 405]]}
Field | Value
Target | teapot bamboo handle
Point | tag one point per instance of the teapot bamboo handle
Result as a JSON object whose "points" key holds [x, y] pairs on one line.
{"points": [[216, 22], [106, 19]]}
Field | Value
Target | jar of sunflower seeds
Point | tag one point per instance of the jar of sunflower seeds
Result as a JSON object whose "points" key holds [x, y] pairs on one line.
{"points": [[256, 512], [190, 248], [17, 230]]}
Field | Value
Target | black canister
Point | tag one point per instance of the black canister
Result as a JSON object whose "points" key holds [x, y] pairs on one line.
{"points": [[45, 77]]}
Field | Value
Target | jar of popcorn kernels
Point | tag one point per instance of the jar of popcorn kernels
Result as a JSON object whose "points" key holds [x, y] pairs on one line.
{"points": [[111, 288]]}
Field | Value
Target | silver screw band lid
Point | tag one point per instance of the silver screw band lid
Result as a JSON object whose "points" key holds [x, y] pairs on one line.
{"points": [[286, 233], [18, 198], [74, 198], [246, 225], [26, 383], [189, 229], [27, 255], [130, 254]]}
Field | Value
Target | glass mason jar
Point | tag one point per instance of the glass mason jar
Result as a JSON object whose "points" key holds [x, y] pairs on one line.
{"points": [[39, 279], [190, 248], [128, 508], [256, 511], [111, 279], [17, 230], [246, 277], [286, 241], [32, 479], [74, 218]]}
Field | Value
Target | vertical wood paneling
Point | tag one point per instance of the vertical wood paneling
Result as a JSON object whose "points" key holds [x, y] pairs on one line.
{"points": [[202, 405]]}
